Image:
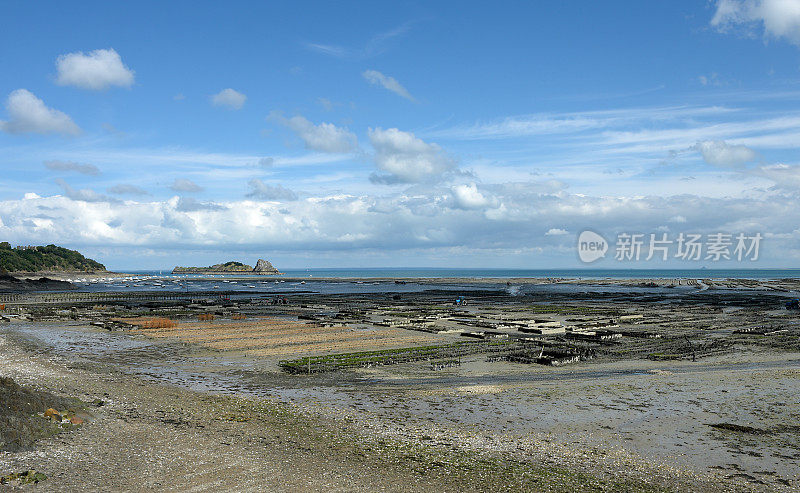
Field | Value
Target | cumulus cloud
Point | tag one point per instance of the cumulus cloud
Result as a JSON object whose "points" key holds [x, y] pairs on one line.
{"points": [[468, 197], [229, 98], [325, 137], [779, 18], [720, 153], [98, 70], [378, 79], [126, 189], [262, 191], [184, 185], [86, 169], [29, 114], [406, 158], [420, 221]]}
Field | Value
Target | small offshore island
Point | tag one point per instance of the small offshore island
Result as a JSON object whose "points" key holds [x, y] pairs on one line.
{"points": [[263, 267]]}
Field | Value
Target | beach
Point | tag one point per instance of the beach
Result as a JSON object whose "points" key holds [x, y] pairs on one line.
{"points": [[698, 392]]}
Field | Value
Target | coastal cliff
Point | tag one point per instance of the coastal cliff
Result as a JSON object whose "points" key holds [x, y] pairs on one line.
{"points": [[263, 267]]}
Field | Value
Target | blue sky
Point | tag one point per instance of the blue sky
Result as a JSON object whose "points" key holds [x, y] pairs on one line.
{"points": [[382, 134]]}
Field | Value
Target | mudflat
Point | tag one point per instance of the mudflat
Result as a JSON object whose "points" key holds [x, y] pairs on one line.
{"points": [[510, 391]]}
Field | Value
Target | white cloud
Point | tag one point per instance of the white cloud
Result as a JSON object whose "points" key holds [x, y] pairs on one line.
{"points": [[406, 158], [468, 197], [720, 153], [84, 195], [376, 78], [86, 169], [779, 18], [191, 204], [28, 114], [556, 232], [262, 191], [784, 176], [184, 185], [424, 221], [229, 98], [98, 70], [325, 137]]}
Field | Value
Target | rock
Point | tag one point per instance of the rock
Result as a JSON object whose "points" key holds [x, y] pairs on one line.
{"points": [[76, 420], [264, 267], [52, 414]]}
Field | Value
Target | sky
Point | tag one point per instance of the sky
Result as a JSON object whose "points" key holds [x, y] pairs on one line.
{"points": [[399, 134]]}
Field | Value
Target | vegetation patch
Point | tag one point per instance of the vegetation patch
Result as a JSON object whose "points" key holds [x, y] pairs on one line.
{"points": [[24, 477], [50, 258]]}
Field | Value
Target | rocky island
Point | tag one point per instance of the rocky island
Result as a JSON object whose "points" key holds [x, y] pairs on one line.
{"points": [[263, 267]]}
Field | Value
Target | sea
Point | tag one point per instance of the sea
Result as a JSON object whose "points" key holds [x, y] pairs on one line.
{"points": [[412, 273], [398, 280]]}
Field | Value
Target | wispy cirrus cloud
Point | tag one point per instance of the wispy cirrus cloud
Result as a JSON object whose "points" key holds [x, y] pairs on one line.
{"points": [[127, 189], [390, 83], [373, 47]]}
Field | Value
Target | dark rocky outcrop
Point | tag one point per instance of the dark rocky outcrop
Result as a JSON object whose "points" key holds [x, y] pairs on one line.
{"points": [[9, 283], [264, 267]]}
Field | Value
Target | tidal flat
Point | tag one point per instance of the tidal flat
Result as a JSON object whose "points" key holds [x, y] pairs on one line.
{"points": [[624, 386]]}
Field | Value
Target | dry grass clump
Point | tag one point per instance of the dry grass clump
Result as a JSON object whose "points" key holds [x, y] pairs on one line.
{"points": [[272, 336], [239, 317], [206, 316], [156, 323]]}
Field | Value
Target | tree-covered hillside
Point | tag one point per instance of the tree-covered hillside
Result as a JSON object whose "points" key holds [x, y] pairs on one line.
{"points": [[45, 258]]}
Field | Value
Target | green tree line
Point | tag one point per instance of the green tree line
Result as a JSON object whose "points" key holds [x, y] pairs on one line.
{"points": [[45, 258]]}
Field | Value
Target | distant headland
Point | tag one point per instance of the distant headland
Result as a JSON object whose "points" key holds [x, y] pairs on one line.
{"points": [[263, 267], [45, 259]]}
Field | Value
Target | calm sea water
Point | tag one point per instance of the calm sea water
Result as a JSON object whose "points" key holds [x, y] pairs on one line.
{"points": [[411, 273], [336, 281]]}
